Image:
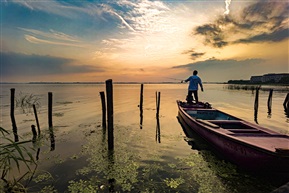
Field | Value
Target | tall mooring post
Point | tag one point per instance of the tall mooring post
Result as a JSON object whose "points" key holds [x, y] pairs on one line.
{"points": [[50, 125], [141, 106], [109, 100], [14, 127], [286, 104]]}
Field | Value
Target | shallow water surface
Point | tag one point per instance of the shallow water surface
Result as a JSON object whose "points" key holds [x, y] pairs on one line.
{"points": [[156, 156]]}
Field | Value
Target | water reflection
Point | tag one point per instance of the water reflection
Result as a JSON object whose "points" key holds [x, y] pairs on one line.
{"points": [[37, 153], [52, 139], [111, 170], [192, 138], [141, 117]]}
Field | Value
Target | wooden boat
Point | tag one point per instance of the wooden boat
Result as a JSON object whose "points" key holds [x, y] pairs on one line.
{"points": [[248, 145]]}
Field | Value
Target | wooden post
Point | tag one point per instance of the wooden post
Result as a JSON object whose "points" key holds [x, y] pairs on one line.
{"points": [[102, 96], [286, 104], [36, 118], [158, 103], [141, 106], [141, 97], [109, 100], [269, 102], [52, 139], [14, 127], [256, 104], [50, 110]]}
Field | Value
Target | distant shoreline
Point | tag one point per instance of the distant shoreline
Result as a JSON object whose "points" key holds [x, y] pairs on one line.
{"points": [[104, 82], [232, 83]]}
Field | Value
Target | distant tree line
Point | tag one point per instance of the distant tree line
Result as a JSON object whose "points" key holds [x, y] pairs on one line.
{"points": [[283, 80], [239, 82]]}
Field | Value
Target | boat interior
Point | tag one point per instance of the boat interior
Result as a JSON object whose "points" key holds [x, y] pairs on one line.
{"points": [[217, 119], [209, 114]]}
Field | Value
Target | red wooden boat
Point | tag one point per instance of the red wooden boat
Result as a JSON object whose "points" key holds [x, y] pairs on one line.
{"points": [[248, 145]]}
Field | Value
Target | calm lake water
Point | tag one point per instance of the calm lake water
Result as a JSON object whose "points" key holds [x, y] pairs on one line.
{"points": [[145, 159]]}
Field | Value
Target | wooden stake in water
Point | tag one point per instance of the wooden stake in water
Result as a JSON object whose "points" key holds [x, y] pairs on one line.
{"points": [[158, 103], [109, 100], [36, 118], [141, 97], [256, 104], [14, 127], [286, 104], [269, 102], [158, 130], [102, 96], [141, 106], [50, 125], [50, 110]]}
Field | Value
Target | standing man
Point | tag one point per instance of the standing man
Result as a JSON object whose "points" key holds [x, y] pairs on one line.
{"points": [[193, 87]]}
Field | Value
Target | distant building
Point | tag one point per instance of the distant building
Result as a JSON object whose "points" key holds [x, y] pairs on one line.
{"points": [[256, 79], [269, 78]]}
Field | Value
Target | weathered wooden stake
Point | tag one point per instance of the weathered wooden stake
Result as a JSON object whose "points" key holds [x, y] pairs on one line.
{"points": [[102, 96], [50, 110], [158, 131], [50, 125], [14, 127], [36, 118], [269, 102], [109, 100], [141, 106], [158, 103], [256, 105], [141, 97], [286, 104]]}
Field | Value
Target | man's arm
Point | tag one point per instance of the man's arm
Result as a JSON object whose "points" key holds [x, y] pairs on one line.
{"points": [[185, 80]]}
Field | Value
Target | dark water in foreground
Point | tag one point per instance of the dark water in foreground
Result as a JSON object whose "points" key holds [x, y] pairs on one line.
{"points": [[151, 159]]}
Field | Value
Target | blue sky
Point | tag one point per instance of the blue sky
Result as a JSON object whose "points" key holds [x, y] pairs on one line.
{"points": [[142, 40]]}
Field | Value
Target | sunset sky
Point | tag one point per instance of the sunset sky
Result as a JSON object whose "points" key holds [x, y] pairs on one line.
{"points": [[142, 40]]}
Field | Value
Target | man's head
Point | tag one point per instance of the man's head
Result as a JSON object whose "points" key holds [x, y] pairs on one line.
{"points": [[195, 72]]}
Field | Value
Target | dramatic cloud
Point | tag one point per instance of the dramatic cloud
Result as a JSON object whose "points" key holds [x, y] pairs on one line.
{"points": [[220, 63], [194, 55], [13, 64], [224, 70], [264, 21]]}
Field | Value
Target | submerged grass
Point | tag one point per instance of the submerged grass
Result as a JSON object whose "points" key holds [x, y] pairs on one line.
{"points": [[127, 169]]}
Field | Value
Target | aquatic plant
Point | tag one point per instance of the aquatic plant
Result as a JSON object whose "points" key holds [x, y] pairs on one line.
{"points": [[58, 114], [26, 101], [241, 87], [14, 153]]}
